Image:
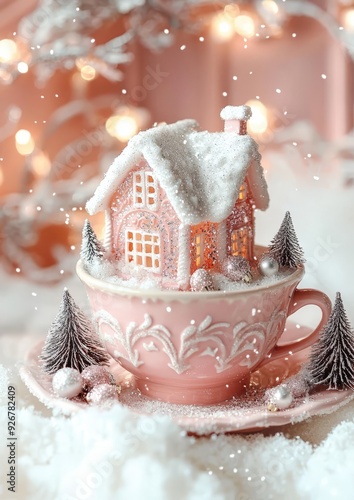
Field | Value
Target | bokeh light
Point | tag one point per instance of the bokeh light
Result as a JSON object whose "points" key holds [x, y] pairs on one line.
{"points": [[258, 123], [40, 164], [24, 142], [22, 67], [8, 50], [87, 72], [222, 27], [244, 25], [348, 19], [122, 127]]}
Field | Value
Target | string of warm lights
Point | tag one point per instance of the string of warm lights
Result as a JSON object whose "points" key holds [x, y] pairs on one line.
{"points": [[261, 20], [60, 39]]}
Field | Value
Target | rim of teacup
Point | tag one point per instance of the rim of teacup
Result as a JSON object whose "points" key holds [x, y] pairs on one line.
{"points": [[115, 289]]}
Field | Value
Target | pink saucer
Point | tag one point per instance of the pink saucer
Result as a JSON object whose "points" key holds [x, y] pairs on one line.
{"points": [[244, 413]]}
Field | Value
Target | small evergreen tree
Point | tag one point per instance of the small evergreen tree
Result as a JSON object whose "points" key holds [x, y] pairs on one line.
{"points": [[91, 247], [285, 246], [71, 341], [332, 357]]}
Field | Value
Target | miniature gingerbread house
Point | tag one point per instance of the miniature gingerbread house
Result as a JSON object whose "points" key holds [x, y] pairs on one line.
{"points": [[177, 199]]}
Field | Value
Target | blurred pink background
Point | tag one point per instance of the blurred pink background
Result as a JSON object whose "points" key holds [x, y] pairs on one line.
{"points": [[192, 83]]}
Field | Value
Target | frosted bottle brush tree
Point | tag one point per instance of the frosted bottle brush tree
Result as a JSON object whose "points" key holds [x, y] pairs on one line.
{"points": [[332, 357], [285, 247], [91, 248], [71, 341]]}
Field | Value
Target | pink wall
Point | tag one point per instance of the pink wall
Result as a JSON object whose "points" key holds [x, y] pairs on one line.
{"points": [[198, 75]]}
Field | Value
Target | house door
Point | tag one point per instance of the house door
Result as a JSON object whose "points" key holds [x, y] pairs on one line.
{"points": [[144, 249]]}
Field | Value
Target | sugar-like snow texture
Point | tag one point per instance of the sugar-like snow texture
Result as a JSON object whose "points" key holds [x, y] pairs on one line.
{"points": [[142, 279], [101, 268], [104, 454], [201, 172], [236, 113]]}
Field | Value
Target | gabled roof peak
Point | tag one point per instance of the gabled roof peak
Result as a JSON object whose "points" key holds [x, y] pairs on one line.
{"points": [[201, 172]]}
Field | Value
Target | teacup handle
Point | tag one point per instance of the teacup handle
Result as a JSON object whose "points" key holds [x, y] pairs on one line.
{"points": [[301, 298]]}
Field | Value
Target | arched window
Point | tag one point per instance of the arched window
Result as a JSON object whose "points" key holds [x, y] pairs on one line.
{"points": [[143, 249], [145, 190]]}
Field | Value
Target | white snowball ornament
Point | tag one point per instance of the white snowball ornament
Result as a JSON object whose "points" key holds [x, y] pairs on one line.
{"points": [[103, 395], [201, 280], [67, 383], [268, 266], [279, 398], [236, 268]]}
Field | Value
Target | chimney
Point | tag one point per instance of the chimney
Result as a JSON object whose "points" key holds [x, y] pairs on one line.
{"points": [[236, 118]]}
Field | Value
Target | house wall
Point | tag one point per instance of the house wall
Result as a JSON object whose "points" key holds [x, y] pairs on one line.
{"points": [[217, 241], [208, 232], [162, 220], [242, 217]]}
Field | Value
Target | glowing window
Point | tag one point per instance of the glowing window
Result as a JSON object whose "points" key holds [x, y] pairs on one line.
{"points": [[145, 190], [199, 249], [240, 241], [143, 249], [243, 192]]}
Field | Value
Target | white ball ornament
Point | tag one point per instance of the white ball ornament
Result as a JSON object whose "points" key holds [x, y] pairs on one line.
{"points": [[268, 266], [279, 398], [67, 383], [236, 268]]}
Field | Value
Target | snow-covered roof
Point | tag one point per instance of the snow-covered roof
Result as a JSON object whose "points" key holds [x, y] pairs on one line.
{"points": [[236, 113], [201, 172]]}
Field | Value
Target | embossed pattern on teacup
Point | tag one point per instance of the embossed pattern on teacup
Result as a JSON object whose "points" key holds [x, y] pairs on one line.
{"points": [[251, 342]]}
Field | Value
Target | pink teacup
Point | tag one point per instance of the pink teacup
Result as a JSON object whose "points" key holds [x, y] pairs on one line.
{"points": [[198, 347]]}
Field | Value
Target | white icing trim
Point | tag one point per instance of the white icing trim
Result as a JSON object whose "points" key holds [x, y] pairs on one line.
{"points": [[184, 258], [107, 240], [221, 240]]}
